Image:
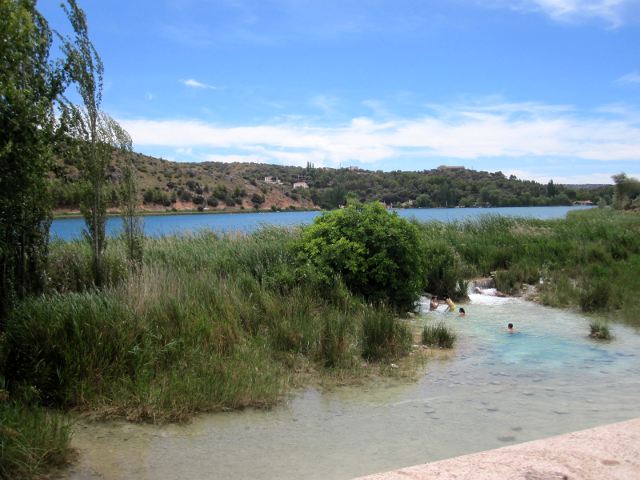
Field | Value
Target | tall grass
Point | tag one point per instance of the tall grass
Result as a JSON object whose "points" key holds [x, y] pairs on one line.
{"points": [[384, 336], [438, 335], [209, 322], [589, 261], [32, 440], [599, 330]]}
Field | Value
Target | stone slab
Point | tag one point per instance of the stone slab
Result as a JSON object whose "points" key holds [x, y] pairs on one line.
{"points": [[610, 452]]}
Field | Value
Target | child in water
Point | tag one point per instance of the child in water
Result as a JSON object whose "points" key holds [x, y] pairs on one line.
{"points": [[451, 307], [461, 312], [433, 305], [510, 328]]}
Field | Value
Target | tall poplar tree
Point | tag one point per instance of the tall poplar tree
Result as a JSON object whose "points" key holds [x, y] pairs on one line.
{"points": [[97, 137], [30, 83]]}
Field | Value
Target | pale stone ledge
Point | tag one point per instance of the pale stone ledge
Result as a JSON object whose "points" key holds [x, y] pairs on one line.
{"points": [[610, 452]]}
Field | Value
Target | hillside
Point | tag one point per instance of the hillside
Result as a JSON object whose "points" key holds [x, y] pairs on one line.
{"points": [[209, 186]]}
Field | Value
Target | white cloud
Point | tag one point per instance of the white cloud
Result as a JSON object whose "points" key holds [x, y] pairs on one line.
{"points": [[234, 158], [463, 133], [196, 84], [632, 78], [325, 103], [578, 178], [613, 12]]}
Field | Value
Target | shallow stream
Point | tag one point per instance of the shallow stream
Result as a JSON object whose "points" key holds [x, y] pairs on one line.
{"points": [[493, 390]]}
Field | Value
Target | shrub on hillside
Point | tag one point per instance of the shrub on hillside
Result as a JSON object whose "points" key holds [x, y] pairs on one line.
{"points": [[376, 252]]}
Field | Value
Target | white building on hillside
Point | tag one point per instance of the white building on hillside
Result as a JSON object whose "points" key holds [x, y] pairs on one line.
{"points": [[300, 185]]}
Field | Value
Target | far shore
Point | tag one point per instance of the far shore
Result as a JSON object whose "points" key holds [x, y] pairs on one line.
{"points": [[157, 213]]}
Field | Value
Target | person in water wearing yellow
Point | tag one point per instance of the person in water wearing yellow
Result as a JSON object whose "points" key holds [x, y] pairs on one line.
{"points": [[451, 307]]}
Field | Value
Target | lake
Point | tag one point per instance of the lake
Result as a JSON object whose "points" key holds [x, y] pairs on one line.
{"points": [[493, 389], [158, 225]]}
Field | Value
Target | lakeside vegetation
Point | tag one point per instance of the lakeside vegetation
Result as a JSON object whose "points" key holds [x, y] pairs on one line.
{"points": [[159, 329], [215, 322], [213, 186], [206, 323], [588, 261]]}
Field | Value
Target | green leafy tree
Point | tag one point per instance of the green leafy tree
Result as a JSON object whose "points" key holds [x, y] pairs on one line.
{"points": [[131, 222], [97, 136], [30, 84], [376, 252], [626, 190]]}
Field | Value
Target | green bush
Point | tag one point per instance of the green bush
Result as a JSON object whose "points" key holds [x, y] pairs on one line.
{"points": [[377, 253], [438, 335], [442, 269]]}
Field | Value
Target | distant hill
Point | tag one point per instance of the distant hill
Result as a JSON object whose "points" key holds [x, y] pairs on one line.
{"points": [[211, 186]]}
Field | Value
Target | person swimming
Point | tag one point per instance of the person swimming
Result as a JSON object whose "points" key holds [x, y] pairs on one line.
{"points": [[461, 312], [433, 304], [510, 328]]}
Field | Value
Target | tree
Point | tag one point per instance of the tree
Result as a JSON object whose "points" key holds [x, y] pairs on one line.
{"points": [[97, 136], [30, 84], [131, 223], [626, 190], [377, 253]]}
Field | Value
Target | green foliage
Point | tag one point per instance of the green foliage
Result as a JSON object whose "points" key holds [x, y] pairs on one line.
{"points": [[438, 335], [595, 294], [626, 192], [30, 85], [443, 269], [588, 261], [336, 340], [92, 135], [599, 330], [32, 440], [209, 322], [384, 336], [377, 253], [69, 266], [132, 224], [257, 200]]}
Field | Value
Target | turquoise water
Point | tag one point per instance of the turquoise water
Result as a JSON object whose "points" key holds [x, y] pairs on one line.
{"points": [[494, 389], [70, 228]]}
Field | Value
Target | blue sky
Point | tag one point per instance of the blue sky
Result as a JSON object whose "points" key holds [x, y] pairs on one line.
{"points": [[543, 89]]}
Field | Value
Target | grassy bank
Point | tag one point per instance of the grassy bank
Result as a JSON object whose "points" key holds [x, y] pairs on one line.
{"points": [[210, 323], [32, 440], [589, 261]]}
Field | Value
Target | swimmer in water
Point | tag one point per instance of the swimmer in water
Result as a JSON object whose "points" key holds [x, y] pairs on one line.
{"points": [[461, 312], [510, 328], [433, 305]]}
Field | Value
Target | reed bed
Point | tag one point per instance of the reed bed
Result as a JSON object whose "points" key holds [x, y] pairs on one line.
{"points": [[209, 323], [588, 261]]}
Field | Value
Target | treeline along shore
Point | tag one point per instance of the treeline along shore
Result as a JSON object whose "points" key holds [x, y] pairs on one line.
{"points": [[215, 322], [168, 186]]}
